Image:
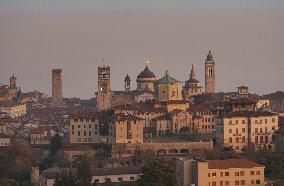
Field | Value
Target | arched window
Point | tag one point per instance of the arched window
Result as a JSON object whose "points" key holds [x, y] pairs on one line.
{"points": [[243, 139], [230, 140], [266, 139], [261, 139]]}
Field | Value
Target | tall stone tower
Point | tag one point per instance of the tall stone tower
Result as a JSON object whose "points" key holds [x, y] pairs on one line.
{"points": [[127, 83], [13, 82], [209, 74], [103, 95], [56, 87]]}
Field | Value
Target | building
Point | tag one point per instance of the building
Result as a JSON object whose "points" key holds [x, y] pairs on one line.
{"points": [[243, 91], [117, 175], [104, 92], [191, 172], [84, 127], [241, 130], [279, 140], [145, 80], [12, 109], [192, 86], [56, 87], [40, 137], [210, 74], [5, 140], [167, 88], [8, 92], [127, 83], [126, 128]]}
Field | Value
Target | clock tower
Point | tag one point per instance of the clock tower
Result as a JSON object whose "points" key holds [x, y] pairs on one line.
{"points": [[209, 74], [103, 95]]}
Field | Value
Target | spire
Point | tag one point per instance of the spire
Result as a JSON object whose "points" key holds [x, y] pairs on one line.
{"points": [[146, 63], [209, 56], [192, 73]]}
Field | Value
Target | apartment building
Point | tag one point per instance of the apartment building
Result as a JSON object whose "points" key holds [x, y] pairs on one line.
{"points": [[239, 130], [197, 172]]}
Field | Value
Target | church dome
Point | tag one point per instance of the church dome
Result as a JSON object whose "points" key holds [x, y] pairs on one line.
{"points": [[146, 73]]}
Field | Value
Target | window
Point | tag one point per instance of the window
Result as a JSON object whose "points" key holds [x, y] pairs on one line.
{"points": [[243, 182], [78, 133], [227, 183], [257, 172], [81, 120], [257, 182], [230, 140], [78, 139], [237, 121], [243, 130], [131, 178], [120, 179], [97, 181], [243, 121], [252, 182], [273, 120], [213, 183], [107, 180], [85, 133], [173, 93], [90, 133], [75, 120], [237, 139], [208, 174], [214, 174], [221, 183], [72, 127], [243, 139], [90, 126], [78, 126], [237, 174], [221, 174], [256, 130], [72, 132], [227, 173], [237, 182], [230, 130], [251, 172], [242, 173]]}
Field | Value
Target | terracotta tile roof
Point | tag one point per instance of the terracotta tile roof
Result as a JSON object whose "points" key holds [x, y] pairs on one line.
{"points": [[232, 163], [84, 115], [125, 117], [248, 114]]}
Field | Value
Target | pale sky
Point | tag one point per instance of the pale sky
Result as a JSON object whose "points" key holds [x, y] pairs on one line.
{"points": [[245, 36]]}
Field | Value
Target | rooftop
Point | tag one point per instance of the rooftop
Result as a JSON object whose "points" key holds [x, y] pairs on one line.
{"points": [[232, 163]]}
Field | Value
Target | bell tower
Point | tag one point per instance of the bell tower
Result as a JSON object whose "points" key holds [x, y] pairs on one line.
{"points": [[13, 82], [209, 74], [127, 83], [103, 95]]}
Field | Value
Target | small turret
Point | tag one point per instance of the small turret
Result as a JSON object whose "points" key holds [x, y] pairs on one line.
{"points": [[127, 81], [13, 82]]}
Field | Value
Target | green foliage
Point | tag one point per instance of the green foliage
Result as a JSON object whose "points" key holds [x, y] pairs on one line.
{"points": [[83, 170], [158, 173], [66, 178], [55, 144]]}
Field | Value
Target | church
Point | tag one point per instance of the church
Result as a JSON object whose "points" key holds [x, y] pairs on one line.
{"points": [[150, 88]]}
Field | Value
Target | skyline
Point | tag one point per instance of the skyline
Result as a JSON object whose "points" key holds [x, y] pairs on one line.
{"points": [[246, 41]]}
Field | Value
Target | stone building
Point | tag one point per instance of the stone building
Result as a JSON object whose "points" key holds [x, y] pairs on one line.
{"points": [[168, 88], [209, 74], [219, 172], [192, 86], [242, 130], [104, 92], [56, 87], [126, 128], [145, 80], [8, 92], [84, 127]]}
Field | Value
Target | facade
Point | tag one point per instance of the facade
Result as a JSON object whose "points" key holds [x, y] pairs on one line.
{"points": [[192, 86], [8, 92], [104, 93], [209, 74], [146, 79], [126, 128], [56, 87], [168, 88], [84, 128], [5, 140], [12, 109], [219, 172], [40, 137], [241, 130]]}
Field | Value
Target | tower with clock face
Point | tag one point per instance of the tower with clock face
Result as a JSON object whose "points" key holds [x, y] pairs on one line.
{"points": [[103, 95]]}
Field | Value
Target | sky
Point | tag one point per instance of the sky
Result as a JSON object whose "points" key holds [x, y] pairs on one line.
{"points": [[245, 37]]}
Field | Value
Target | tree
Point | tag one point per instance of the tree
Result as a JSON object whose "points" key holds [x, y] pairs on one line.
{"points": [[65, 178], [83, 170], [55, 144], [158, 173]]}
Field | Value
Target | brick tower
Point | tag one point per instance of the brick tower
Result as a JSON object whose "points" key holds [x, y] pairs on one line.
{"points": [[209, 74], [56, 87], [127, 83], [103, 95]]}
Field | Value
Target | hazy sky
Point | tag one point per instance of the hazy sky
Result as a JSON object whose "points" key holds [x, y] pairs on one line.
{"points": [[246, 37]]}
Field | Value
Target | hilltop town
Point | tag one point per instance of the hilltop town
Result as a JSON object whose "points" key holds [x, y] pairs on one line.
{"points": [[199, 136]]}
